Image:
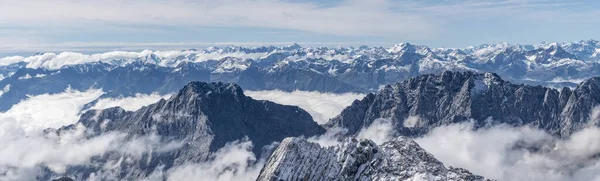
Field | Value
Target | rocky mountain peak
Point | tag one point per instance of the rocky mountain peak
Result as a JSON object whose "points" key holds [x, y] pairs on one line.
{"points": [[204, 116], [433, 100], [410, 48], [209, 89], [550, 53], [293, 46], [591, 83], [357, 159]]}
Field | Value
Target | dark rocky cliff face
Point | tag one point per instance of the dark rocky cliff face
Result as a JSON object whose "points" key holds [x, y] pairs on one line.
{"points": [[433, 100], [203, 116]]}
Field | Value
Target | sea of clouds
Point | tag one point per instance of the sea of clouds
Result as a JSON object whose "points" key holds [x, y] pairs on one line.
{"points": [[499, 152]]}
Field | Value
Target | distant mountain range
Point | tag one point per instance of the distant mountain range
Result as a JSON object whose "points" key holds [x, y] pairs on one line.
{"points": [[345, 69]]}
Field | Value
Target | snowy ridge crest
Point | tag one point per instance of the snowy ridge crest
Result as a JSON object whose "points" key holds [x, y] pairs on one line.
{"points": [[357, 159]]}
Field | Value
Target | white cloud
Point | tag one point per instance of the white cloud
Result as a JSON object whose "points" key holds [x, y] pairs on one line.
{"points": [[507, 153], [10, 60], [5, 89], [380, 131], [56, 152], [22, 155], [321, 106], [402, 20], [49, 110], [561, 80], [332, 137], [55, 110], [26, 76], [234, 161], [25, 147], [411, 121], [130, 103]]}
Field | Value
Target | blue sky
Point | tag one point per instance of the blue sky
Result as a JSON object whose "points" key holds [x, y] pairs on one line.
{"points": [[40, 25]]}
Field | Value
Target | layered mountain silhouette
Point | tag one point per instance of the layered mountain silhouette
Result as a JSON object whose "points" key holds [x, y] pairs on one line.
{"points": [[419, 104], [346, 69], [204, 117]]}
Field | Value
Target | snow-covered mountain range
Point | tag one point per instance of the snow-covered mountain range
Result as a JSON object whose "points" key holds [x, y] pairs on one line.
{"points": [[344, 69]]}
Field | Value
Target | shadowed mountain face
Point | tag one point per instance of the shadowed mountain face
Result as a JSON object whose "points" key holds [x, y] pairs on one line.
{"points": [[420, 104], [202, 116], [398, 159]]}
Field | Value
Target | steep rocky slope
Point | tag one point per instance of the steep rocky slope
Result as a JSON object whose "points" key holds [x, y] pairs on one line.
{"points": [[420, 104], [398, 159], [204, 117]]}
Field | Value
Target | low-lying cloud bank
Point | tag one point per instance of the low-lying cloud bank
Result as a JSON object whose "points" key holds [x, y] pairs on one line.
{"points": [[235, 161], [522, 153], [23, 157], [49, 110], [499, 152], [55, 110], [321, 106], [26, 157], [380, 131], [27, 150], [130, 103]]}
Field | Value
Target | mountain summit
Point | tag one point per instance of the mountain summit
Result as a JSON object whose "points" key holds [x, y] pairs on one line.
{"points": [[432, 100], [203, 116], [398, 159]]}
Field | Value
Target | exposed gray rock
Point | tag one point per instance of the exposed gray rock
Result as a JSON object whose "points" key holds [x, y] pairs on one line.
{"points": [[398, 159], [433, 100], [63, 179], [203, 116]]}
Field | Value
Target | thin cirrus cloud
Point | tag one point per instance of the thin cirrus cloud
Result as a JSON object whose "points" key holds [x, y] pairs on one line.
{"points": [[347, 18], [381, 22]]}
